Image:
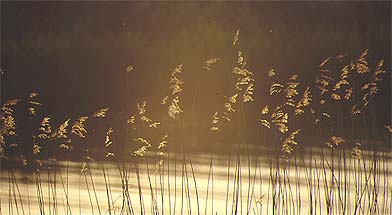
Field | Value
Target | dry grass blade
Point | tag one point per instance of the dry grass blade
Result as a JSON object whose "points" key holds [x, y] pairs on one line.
{"points": [[141, 107], [265, 110], [324, 62], [129, 69], [265, 123], [11, 102], [236, 37], [335, 141], [108, 141], [100, 113], [271, 73], [303, 102], [78, 128], [290, 142], [45, 126], [164, 100], [174, 108], [61, 131], [209, 63], [276, 88], [362, 65]]}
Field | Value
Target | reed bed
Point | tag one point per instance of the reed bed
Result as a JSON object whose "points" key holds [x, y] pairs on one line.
{"points": [[142, 167]]}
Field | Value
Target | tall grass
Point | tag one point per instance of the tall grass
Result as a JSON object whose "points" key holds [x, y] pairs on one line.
{"points": [[341, 176]]}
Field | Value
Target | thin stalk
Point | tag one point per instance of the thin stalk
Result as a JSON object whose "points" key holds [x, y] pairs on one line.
{"points": [[194, 181], [107, 190]]}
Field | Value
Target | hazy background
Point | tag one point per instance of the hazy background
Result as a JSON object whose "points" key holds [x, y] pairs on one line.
{"points": [[75, 54]]}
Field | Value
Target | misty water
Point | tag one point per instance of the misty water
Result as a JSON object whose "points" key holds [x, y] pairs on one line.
{"points": [[303, 185]]}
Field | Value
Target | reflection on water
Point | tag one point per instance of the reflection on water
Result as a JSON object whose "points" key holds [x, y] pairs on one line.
{"points": [[207, 184]]}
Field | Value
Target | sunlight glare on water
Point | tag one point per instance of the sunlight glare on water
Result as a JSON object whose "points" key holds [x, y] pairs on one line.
{"points": [[264, 187]]}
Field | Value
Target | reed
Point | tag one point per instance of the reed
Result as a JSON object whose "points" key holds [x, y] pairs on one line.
{"points": [[346, 177]]}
